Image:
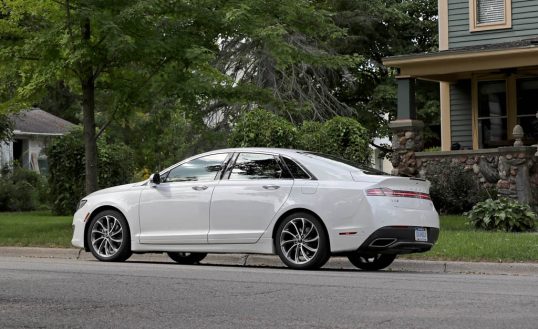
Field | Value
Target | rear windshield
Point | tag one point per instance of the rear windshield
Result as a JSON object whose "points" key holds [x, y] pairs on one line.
{"points": [[364, 169]]}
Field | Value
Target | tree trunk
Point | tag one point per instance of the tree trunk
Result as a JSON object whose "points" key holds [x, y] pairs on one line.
{"points": [[88, 111], [90, 143]]}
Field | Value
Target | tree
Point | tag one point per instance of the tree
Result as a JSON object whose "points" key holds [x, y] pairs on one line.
{"points": [[106, 53], [378, 29], [124, 57], [340, 71], [283, 48], [6, 128]]}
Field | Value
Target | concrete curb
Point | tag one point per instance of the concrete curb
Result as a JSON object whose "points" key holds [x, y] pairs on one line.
{"points": [[400, 265]]}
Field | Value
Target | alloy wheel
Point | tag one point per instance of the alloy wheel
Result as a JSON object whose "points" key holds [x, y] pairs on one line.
{"points": [[106, 236], [299, 241]]}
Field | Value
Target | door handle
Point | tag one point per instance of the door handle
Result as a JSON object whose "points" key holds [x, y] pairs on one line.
{"points": [[199, 188], [271, 187]]}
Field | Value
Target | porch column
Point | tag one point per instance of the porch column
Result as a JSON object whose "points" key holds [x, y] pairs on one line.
{"points": [[407, 132], [407, 108]]}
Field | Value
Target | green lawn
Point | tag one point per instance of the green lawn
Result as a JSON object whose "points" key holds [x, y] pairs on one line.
{"points": [[35, 229], [457, 241]]}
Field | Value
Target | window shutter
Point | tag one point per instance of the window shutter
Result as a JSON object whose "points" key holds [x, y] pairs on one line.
{"points": [[490, 11]]}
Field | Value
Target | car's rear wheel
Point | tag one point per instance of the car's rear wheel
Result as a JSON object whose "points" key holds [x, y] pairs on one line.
{"points": [[371, 262], [186, 258], [108, 237], [301, 242]]}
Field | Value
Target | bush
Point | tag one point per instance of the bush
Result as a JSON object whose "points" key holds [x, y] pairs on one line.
{"points": [[67, 169], [260, 128], [346, 138], [502, 215], [21, 190], [454, 190], [342, 137]]}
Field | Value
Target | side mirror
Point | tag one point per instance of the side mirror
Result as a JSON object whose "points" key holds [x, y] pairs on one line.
{"points": [[155, 178]]}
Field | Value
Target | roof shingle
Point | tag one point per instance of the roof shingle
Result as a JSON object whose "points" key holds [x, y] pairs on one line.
{"points": [[36, 121]]}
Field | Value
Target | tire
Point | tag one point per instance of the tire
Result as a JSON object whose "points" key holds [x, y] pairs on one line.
{"points": [[371, 262], [108, 237], [301, 242], [187, 258]]}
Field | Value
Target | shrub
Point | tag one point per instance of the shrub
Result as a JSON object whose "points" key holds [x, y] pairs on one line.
{"points": [[346, 138], [21, 190], [311, 136], [454, 190], [502, 215], [340, 136], [260, 128], [67, 169]]}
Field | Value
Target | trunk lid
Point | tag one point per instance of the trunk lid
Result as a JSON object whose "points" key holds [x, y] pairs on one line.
{"points": [[407, 193]]}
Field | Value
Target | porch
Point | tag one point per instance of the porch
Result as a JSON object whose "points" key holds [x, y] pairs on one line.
{"points": [[489, 103]]}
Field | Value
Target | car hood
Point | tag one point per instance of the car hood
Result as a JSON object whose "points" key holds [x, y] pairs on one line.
{"points": [[116, 189]]}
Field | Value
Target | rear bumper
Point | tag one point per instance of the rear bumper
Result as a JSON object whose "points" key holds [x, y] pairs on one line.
{"points": [[398, 240]]}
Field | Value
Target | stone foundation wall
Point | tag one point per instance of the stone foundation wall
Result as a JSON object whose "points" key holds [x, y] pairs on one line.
{"points": [[512, 170]]}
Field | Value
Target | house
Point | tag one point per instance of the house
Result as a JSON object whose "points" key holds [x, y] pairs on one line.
{"points": [[33, 129], [379, 159], [487, 69]]}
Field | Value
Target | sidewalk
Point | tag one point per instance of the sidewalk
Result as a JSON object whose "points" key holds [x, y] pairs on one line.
{"points": [[400, 265]]}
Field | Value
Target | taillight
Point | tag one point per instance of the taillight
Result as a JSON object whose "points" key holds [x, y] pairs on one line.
{"points": [[383, 191]]}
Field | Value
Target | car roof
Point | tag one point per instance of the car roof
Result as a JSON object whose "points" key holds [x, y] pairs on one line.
{"points": [[282, 151]]}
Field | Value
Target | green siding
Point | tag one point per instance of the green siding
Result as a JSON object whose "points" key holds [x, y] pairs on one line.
{"points": [[524, 25], [461, 113]]}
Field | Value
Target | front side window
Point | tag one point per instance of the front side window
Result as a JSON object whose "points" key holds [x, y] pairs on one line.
{"points": [[200, 169], [490, 14], [492, 117], [255, 166]]}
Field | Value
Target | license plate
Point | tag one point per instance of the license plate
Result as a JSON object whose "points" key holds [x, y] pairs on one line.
{"points": [[421, 234]]}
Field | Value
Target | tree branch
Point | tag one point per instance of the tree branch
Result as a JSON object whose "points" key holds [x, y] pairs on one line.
{"points": [[135, 91]]}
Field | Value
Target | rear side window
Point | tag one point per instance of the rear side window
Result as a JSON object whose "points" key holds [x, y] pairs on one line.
{"points": [[296, 171], [255, 166]]}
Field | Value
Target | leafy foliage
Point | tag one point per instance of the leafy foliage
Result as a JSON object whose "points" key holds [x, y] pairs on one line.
{"points": [[344, 137], [164, 136], [126, 57], [21, 190], [502, 215], [376, 29], [454, 190], [260, 128], [192, 67], [6, 128], [284, 48], [66, 168], [340, 136]]}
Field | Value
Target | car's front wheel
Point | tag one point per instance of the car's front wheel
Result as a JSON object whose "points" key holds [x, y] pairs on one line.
{"points": [[108, 237], [186, 258], [301, 242], [371, 262]]}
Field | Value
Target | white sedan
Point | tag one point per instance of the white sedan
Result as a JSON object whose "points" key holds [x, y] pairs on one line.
{"points": [[302, 206]]}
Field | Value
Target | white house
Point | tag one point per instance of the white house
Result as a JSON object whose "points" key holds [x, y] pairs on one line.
{"points": [[33, 129]]}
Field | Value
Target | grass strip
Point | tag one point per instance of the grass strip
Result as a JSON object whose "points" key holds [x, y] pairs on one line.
{"points": [[35, 229], [460, 242], [457, 241]]}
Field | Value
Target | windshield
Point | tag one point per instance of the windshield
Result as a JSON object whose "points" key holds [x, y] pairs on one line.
{"points": [[364, 169]]}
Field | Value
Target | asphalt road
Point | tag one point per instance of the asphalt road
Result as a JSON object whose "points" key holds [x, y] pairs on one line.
{"points": [[62, 293]]}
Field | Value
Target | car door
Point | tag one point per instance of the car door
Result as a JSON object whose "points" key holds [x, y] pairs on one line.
{"points": [[245, 202], [177, 210]]}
